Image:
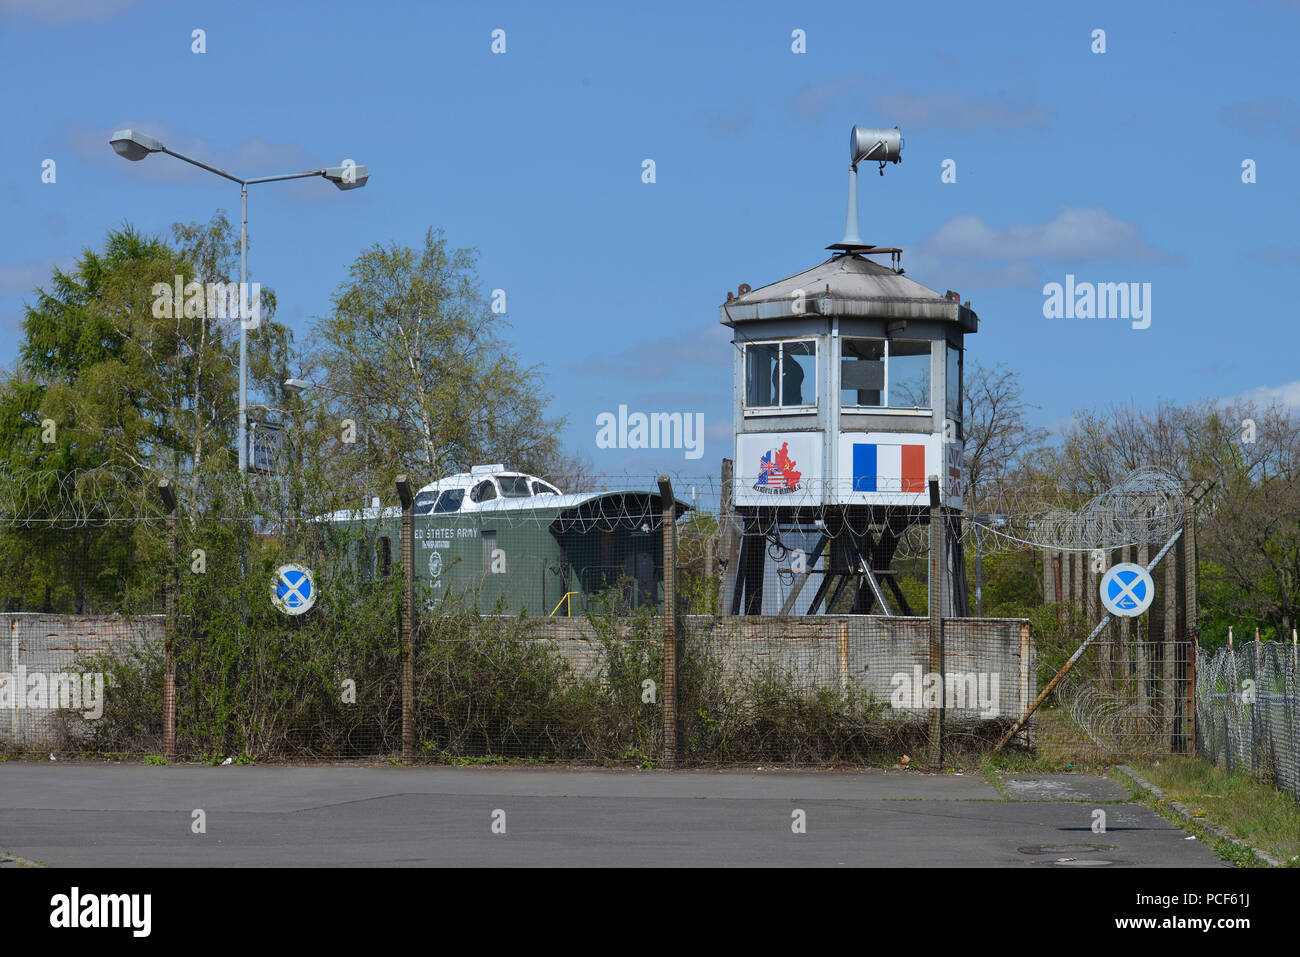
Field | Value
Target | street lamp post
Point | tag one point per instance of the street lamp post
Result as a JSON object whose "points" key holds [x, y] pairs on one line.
{"points": [[302, 385], [135, 146]]}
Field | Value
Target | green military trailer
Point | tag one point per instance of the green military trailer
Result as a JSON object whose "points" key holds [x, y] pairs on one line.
{"points": [[512, 543]]}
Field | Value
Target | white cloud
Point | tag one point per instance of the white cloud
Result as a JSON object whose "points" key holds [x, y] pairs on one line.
{"points": [[1287, 394], [967, 252], [1076, 234]]}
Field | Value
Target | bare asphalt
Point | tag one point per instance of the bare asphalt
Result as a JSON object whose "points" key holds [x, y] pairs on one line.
{"points": [[107, 815]]}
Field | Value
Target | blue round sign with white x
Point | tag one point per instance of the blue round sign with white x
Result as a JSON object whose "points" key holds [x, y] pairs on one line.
{"points": [[293, 590], [1127, 590]]}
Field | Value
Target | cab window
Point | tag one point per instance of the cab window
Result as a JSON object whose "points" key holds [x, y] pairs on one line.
{"points": [[514, 486], [450, 501]]}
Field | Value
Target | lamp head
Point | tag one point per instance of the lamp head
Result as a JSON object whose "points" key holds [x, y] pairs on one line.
{"points": [[134, 145], [348, 176]]}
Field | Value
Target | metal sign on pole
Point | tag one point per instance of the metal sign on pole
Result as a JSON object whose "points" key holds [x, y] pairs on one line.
{"points": [[293, 591], [1078, 653], [1127, 590]]}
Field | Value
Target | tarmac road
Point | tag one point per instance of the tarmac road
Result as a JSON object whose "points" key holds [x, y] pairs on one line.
{"points": [[109, 815]]}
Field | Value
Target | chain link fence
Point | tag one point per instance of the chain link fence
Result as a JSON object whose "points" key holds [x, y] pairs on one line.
{"points": [[1248, 710], [1121, 701], [543, 631], [539, 633]]}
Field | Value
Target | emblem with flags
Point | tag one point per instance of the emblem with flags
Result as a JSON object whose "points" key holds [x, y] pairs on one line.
{"points": [[776, 472]]}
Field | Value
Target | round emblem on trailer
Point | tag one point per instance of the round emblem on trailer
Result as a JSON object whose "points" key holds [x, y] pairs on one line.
{"points": [[293, 591], [435, 564], [1127, 590]]}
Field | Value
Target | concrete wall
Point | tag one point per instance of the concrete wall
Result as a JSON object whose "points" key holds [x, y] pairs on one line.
{"points": [[38, 647], [865, 651]]}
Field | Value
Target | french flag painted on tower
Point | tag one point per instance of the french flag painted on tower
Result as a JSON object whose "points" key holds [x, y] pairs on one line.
{"points": [[878, 467]]}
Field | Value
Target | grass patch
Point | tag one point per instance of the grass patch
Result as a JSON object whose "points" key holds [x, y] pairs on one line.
{"points": [[1246, 807], [993, 776]]}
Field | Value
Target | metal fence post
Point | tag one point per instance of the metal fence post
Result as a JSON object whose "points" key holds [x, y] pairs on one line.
{"points": [[1191, 634], [1293, 712], [170, 583], [407, 616], [1057, 572], [1026, 670], [938, 572], [668, 505], [1169, 626], [1256, 719], [1193, 652], [729, 558]]}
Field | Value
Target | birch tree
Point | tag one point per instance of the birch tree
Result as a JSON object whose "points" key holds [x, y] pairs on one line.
{"points": [[414, 356]]}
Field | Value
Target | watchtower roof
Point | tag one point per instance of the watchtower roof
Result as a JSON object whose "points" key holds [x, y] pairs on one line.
{"points": [[848, 285]]}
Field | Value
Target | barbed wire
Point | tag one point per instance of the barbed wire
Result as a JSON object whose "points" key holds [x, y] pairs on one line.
{"points": [[1145, 507], [1113, 720], [73, 498]]}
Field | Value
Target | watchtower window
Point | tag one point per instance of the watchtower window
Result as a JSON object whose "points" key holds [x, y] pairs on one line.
{"points": [[484, 491], [885, 373], [954, 402], [907, 377], [862, 372], [781, 374]]}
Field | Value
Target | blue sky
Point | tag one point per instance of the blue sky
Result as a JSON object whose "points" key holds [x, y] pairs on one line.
{"points": [[1124, 166]]}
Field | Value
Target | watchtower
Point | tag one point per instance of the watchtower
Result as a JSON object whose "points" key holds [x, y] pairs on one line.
{"points": [[846, 400]]}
